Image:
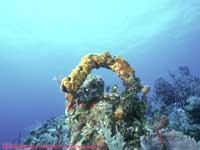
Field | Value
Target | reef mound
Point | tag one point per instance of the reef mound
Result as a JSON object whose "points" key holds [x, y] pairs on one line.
{"points": [[104, 116]]}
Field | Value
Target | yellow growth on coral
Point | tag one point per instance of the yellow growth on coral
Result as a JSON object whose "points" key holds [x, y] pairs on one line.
{"points": [[118, 114], [71, 84]]}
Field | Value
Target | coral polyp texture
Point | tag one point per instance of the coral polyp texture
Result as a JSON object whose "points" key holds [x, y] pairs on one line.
{"points": [[121, 67]]}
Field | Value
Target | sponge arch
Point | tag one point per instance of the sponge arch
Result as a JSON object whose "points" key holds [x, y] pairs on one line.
{"points": [[121, 67]]}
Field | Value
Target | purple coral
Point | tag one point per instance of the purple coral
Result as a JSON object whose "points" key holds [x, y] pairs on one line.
{"points": [[165, 91], [183, 86], [179, 99]]}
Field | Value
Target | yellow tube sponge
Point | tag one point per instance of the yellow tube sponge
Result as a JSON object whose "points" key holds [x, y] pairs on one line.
{"points": [[71, 84]]}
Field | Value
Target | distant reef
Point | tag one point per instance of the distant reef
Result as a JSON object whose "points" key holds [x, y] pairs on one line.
{"points": [[178, 98], [99, 115]]}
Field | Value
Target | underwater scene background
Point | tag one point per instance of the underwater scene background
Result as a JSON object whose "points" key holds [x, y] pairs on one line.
{"points": [[43, 39]]}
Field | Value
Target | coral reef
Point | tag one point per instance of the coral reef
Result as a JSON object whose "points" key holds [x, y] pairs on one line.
{"points": [[192, 108], [89, 105], [165, 91], [183, 85], [52, 132], [174, 141], [116, 120], [179, 119], [124, 111], [115, 142], [178, 99], [89, 93], [44, 135]]}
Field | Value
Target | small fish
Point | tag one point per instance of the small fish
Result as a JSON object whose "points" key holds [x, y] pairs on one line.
{"points": [[58, 78]]}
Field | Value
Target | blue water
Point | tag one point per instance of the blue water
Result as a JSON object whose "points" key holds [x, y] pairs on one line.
{"points": [[41, 39]]}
